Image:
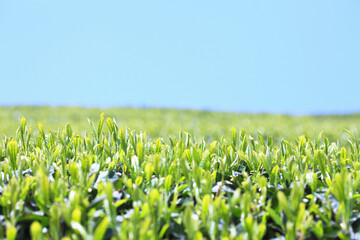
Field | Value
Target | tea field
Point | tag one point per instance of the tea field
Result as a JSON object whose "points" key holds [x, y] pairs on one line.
{"points": [[177, 174], [169, 122]]}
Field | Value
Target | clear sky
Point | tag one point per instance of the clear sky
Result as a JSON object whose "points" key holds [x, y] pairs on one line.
{"points": [[299, 57]]}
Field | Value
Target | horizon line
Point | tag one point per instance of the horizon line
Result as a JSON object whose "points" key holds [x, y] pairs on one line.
{"points": [[182, 108]]}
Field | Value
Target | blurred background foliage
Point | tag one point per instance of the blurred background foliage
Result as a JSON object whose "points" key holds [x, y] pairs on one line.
{"points": [[169, 122]]}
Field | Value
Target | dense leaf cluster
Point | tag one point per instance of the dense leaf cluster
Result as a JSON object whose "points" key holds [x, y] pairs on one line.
{"points": [[121, 185]]}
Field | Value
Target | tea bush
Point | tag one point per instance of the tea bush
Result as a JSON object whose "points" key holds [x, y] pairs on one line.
{"points": [[115, 183]]}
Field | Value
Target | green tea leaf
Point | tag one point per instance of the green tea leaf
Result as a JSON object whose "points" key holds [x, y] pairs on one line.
{"points": [[13, 150], [101, 229]]}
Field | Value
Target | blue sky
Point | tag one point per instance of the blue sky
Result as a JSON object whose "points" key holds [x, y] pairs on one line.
{"points": [[299, 57]]}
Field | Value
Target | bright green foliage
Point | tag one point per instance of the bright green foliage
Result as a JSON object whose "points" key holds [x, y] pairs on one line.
{"points": [[115, 183], [168, 122]]}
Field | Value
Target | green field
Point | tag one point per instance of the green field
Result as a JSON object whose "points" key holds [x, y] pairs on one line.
{"points": [[177, 174], [169, 122]]}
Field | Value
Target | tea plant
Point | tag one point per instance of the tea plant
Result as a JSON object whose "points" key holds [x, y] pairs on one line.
{"points": [[115, 183]]}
